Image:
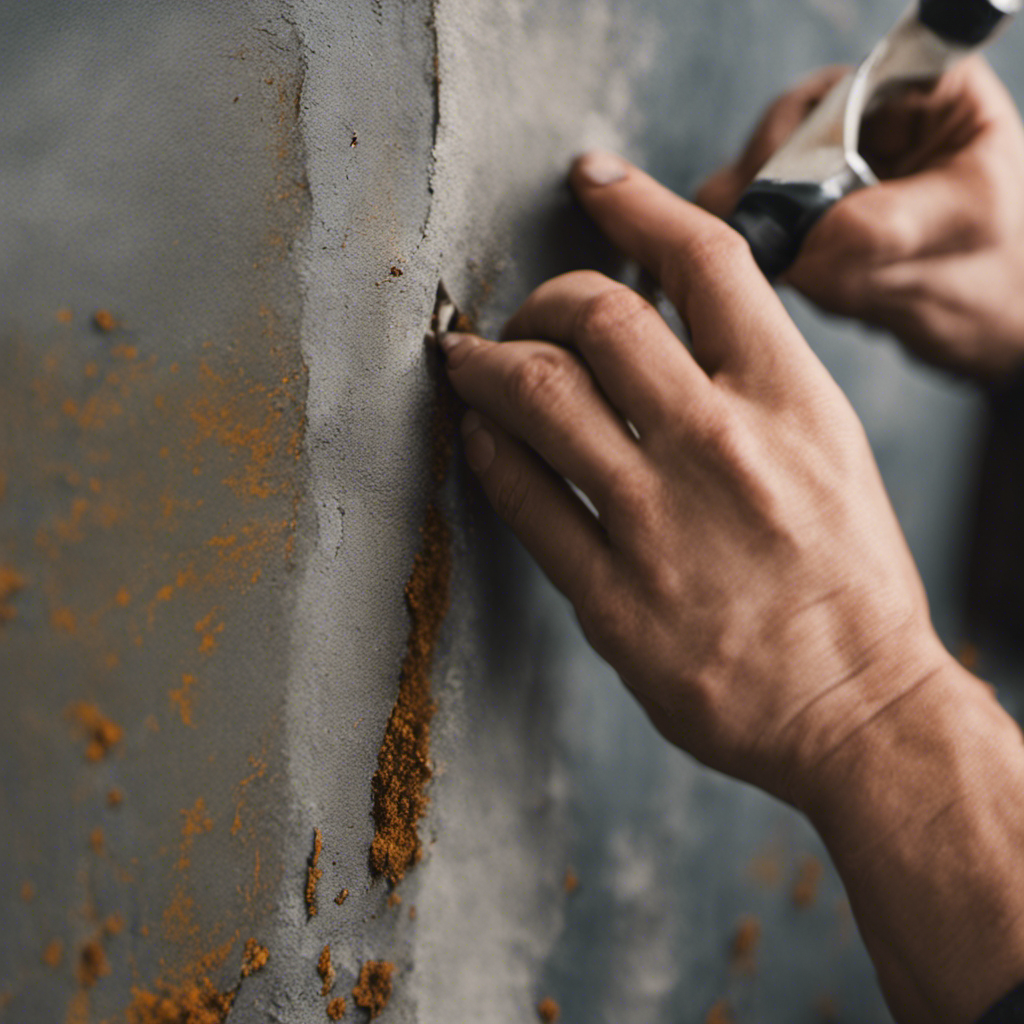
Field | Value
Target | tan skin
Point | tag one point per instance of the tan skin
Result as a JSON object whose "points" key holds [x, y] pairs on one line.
{"points": [[745, 573]]}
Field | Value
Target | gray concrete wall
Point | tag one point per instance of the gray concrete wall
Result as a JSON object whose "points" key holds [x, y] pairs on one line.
{"points": [[209, 512]]}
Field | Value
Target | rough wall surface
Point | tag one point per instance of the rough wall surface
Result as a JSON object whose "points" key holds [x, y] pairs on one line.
{"points": [[222, 229]]}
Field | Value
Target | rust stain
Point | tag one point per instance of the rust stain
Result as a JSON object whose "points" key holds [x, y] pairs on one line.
{"points": [[326, 970], [373, 989], [548, 1011], [181, 698], [254, 958], [11, 583], [104, 320], [805, 888], [403, 763], [313, 874], [102, 734], [745, 943], [53, 953]]}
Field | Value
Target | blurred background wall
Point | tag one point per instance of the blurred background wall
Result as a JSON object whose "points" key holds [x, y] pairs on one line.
{"points": [[223, 458]]}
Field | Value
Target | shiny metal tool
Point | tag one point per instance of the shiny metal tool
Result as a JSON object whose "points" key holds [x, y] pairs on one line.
{"points": [[821, 162]]}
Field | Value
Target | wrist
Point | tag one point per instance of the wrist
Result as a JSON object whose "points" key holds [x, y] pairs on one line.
{"points": [[904, 758], [921, 811]]}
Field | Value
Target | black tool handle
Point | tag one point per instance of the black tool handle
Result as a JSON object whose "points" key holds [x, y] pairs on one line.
{"points": [[774, 218], [964, 22]]}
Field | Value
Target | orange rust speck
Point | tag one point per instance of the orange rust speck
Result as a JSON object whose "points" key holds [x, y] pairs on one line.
{"points": [[720, 1013], [373, 990], [102, 733], [113, 925], [92, 964], [745, 942], [28, 891], [326, 970], [104, 320], [548, 1010], [181, 697], [11, 582], [53, 951], [64, 619], [64, 315], [805, 889], [123, 597], [571, 882], [336, 1008], [341, 897], [313, 873], [165, 593], [96, 839], [255, 957], [115, 797]]}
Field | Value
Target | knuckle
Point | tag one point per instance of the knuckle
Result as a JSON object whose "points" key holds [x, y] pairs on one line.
{"points": [[630, 498], [607, 311], [543, 380], [717, 251]]}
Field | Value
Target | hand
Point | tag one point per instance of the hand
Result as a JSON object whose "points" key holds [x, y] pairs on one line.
{"points": [[935, 253], [745, 574]]}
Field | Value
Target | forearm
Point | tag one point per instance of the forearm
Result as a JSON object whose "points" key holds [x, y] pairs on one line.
{"points": [[923, 813]]}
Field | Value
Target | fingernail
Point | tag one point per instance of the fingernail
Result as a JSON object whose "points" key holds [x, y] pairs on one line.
{"points": [[600, 167], [456, 347], [478, 443]]}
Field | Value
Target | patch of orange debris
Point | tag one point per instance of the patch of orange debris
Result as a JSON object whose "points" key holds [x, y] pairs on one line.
{"points": [[254, 958], [805, 889], [745, 942], [53, 953], [92, 964], [326, 970], [65, 620], [403, 762], [181, 698], [101, 733], [548, 1010], [313, 873], [104, 320], [11, 583], [373, 989], [208, 629], [720, 1013], [196, 1002]]}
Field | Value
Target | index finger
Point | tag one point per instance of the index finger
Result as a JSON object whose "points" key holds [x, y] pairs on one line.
{"points": [[735, 318]]}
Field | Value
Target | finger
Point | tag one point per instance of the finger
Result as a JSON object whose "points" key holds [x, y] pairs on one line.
{"points": [[735, 318], [545, 396], [552, 523], [639, 363]]}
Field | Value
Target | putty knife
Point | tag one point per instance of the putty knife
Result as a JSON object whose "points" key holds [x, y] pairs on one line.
{"points": [[821, 162]]}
